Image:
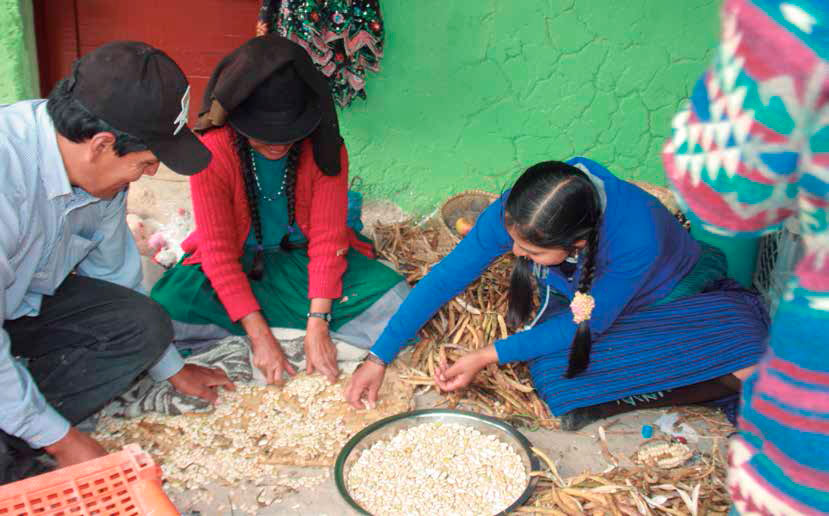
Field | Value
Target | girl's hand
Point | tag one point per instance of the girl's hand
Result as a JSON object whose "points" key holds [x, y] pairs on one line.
{"points": [[269, 358], [461, 373], [365, 383], [320, 352]]}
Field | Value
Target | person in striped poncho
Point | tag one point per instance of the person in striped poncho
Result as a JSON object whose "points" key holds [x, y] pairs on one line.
{"points": [[750, 150]]}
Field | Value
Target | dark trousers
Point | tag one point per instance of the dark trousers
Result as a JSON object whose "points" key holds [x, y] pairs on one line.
{"points": [[89, 343]]}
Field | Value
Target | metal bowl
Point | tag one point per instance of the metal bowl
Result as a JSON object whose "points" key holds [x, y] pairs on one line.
{"points": [[390, 426]]}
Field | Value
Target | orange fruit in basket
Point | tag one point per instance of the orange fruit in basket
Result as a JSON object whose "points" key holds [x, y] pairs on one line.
{"points": [[463, 226]]}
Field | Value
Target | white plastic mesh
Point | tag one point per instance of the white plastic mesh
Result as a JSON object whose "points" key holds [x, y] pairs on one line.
{"points": [[776, 259]]}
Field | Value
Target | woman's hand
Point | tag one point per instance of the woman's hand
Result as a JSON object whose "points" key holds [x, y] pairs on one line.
{"points": [[461, 373], [365, 383], [320, 352], [268, 356]]}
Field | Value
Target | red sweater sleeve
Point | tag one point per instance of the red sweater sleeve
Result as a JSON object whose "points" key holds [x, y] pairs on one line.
{"points": [[212, 191], [328, 233]]}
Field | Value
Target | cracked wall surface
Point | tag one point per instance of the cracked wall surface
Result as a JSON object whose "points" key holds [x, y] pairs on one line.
{"points": [[474, 91]]}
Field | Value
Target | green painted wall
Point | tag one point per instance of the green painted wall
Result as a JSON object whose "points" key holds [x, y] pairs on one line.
{"points": [[474, 91], [18, 57]]}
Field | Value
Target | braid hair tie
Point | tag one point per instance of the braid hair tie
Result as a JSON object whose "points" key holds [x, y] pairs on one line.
{"points": [[582, 307]]}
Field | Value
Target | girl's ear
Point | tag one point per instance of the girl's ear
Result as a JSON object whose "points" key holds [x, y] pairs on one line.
{"points": [[580, 244]]}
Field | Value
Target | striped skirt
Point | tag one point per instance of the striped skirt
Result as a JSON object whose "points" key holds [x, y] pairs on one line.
{"points": [[676, 342]]}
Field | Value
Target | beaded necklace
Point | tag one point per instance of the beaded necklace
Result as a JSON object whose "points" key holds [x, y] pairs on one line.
{"points": [[269, 198]]}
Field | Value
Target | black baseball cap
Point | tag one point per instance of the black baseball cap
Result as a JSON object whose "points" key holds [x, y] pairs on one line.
{"points": [[139, 90]]}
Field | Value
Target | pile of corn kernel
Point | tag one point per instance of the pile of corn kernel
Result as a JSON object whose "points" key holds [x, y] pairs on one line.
{"points": [[438, 468], [250, 435]]}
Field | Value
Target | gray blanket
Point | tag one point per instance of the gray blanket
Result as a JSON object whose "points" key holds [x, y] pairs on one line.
{"points": [[233, 356]]}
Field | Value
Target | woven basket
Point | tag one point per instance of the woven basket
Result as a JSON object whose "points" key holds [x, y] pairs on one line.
{"points": [[665, 196], [468, 204]]}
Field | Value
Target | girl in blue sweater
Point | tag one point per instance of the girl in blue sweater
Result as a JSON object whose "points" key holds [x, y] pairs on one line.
{"points": [[631, 303]]}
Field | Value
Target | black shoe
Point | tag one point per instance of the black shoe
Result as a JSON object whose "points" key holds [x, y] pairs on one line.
{"points": [[729, 405], [578, 418], [18, 461]]}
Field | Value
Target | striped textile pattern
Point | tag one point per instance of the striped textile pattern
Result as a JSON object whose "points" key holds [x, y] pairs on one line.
{"points": [[749, 150], [664, 346]]}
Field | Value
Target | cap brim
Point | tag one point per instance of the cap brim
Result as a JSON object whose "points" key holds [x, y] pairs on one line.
{"points": [[255, 124], [184, 154]]}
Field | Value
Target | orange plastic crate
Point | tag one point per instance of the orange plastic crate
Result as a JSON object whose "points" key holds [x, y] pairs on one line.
{"points": [[126, 483]]}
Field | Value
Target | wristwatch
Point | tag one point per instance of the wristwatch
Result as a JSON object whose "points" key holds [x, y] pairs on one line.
{"points": [[320, 315], [371, 357]]}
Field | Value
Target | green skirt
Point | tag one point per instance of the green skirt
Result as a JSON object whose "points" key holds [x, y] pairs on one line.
{"points": [[710, 267], [188, 296]]}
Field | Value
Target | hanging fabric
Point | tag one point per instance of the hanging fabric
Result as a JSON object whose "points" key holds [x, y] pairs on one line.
{"points": [[343, 37]]}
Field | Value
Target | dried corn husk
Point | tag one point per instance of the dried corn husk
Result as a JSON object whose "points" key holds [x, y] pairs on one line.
{"points": [[473, 320], [691, 489]]}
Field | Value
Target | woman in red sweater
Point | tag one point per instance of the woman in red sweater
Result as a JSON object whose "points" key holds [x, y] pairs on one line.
{"points": [[271, 246]]}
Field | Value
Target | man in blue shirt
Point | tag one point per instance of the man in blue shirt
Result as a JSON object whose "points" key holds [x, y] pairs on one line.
{"points": [[77, 329]]}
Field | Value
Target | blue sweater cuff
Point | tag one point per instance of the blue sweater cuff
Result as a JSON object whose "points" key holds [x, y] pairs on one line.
{"points": [[385, 351]]}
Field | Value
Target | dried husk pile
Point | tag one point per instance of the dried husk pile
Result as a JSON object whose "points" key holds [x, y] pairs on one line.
{"points": [[472, 320], [642, 489]]}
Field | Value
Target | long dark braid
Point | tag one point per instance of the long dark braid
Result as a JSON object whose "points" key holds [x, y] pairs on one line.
{"points": [[521, 285], [582, 343], [243, 150], [291, 168]]}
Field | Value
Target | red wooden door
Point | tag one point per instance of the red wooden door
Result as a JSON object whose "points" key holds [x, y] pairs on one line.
{"points": [[195, 33]]}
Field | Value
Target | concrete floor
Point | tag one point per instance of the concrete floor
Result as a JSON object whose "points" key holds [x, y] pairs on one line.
{"points": [[573, 452]]}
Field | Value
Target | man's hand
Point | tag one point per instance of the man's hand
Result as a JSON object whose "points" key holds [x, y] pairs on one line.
{"points": [[462, 372], [74, 448], [201, 382], [320, 352], [366, 380]]}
